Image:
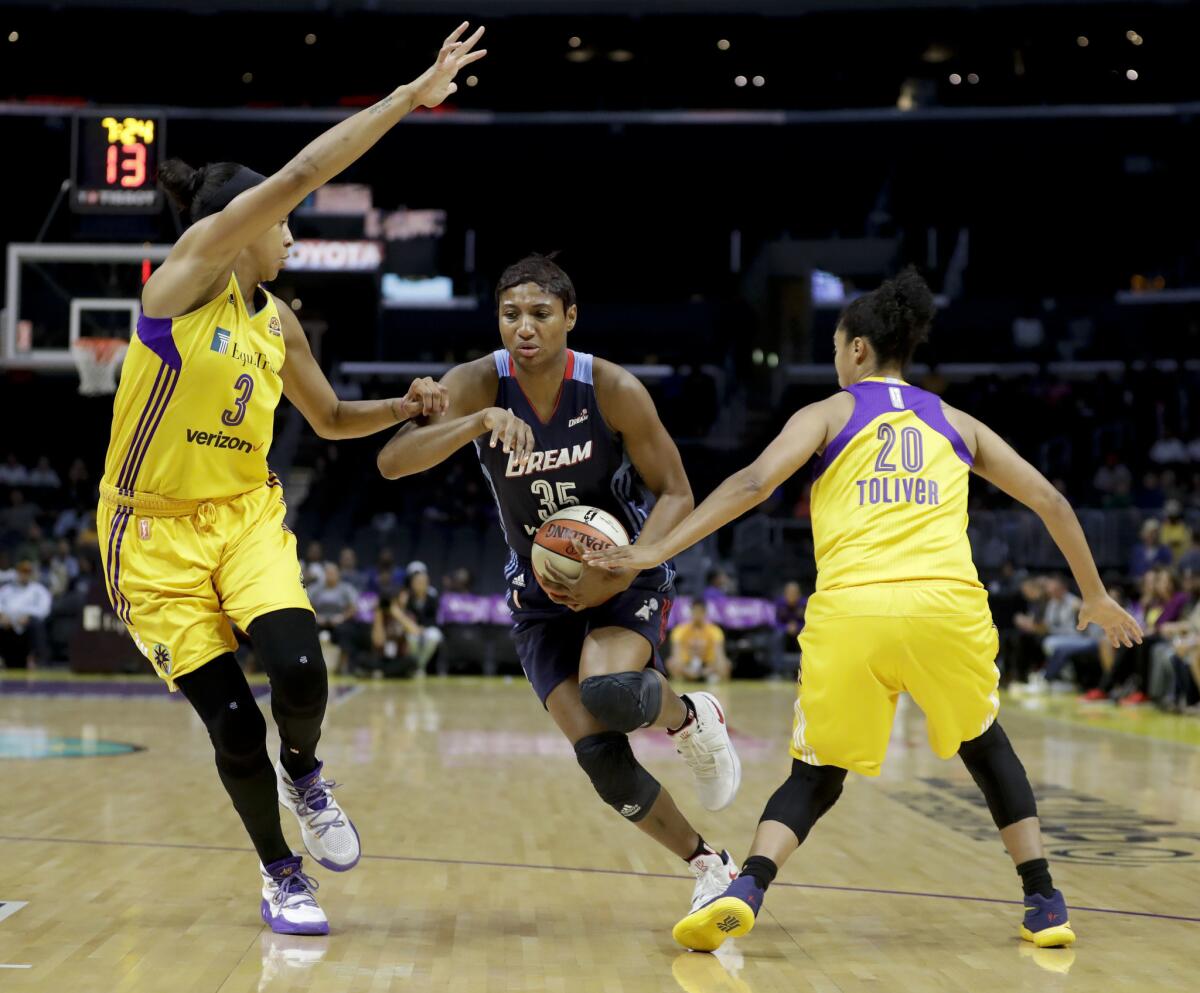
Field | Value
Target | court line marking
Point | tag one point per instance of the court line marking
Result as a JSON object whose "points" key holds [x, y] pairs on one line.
{"points": [[608, 872], [7, 965], [10, 907]]}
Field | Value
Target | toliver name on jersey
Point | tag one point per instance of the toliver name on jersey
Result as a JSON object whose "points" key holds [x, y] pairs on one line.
{"points": [[548, 461]]}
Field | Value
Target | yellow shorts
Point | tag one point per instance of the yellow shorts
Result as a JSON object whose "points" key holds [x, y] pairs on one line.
{"points": [[180, 583], [862, 647]]}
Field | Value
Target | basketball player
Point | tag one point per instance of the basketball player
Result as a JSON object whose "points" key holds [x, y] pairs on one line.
{"points": [[572, 429], [191, 519], [898, 607]]}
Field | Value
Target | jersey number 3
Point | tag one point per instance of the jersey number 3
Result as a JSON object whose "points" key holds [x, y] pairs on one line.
{"points": [[244, 386], [552, 498]]}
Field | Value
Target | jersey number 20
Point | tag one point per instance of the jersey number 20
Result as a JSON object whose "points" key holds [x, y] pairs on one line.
{"points": [[912, 449]]}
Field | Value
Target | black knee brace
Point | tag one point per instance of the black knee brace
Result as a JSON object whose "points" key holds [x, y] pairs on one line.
{"points": [[805, 796], [998, 773], [287, 644], [618, 777], [624, 701]]}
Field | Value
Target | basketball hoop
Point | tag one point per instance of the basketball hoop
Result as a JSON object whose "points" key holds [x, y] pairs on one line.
{"points": [[98, 360]]}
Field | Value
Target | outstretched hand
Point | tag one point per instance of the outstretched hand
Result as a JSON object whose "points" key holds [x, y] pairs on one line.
{"points": [[621, 558], [437, 82], [1119, 626], [592, 587]]}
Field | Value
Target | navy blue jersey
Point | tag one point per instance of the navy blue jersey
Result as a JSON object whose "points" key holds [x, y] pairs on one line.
{"points": [[576, 460]]}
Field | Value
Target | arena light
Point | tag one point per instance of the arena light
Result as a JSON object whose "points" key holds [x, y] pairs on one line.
{"points": [[247, 77], [14, 36], [1133, 38], [472, 80], [580, 55], [759, 81], [723, 44], [574, 41], [620, 55], [955, 79], [1082, 41], [310, 39], [1131, 74], [739, 81], [972, 78]]}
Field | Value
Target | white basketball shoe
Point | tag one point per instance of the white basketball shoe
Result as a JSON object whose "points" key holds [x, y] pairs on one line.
{"points": [[328, 833], [705, 746], [714, 871], [289, 899]]}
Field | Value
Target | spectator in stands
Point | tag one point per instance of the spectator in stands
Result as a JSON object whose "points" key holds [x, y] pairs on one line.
{"points": [[1121, 496], [80, 491], [351, 573], [1110, 474], [335, 603], [12, 472], [314, 564], [1021, 643], [1175, 533], [698, 648], [789, 622], [718, 585], [1168, 450], [1151, 495], [1063, 642], [391, 636], [62, 568], [1163, 602], [1150, 553], [423, 608], [44, 476], [24, 607], [18, 517], [459, 581], [1189, 561], [386, 577]]}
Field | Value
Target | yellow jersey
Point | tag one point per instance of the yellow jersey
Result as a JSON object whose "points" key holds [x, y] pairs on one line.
{"points": [[194, 415], [889, 494], [699, 641]]}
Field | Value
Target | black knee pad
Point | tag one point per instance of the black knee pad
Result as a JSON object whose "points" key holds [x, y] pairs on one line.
{"points": [[805, 796], [993, 764], [624, 701], [289, 648], [618, 777]]}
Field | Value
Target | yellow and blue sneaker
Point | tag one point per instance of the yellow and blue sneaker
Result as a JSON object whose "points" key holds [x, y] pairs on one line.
{"points": [[1046, 923], [729, 915]]}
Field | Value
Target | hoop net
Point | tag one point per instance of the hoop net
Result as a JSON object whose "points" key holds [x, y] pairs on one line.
{"points": [[98, 360]]}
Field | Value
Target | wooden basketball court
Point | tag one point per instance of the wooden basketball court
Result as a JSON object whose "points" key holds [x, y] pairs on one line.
{"points": [[490, 865]]}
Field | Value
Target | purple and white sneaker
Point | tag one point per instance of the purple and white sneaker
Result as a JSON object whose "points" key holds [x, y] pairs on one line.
{"points": [[289, 899], [328, 834]]}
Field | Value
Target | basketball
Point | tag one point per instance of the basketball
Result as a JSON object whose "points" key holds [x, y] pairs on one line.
{"points": [[590, 526]]}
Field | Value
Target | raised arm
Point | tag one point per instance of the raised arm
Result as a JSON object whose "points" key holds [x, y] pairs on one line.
{"points": [[806, 433], [209, 246], [420, 445], [1000, 465], [305, 385]]}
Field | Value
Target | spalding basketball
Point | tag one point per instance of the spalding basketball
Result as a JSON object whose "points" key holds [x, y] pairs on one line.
{"points": [[592, 527]]}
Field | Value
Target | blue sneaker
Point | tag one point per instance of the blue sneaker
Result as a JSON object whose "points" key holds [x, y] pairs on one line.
{"points": [[1046, 923], [729, 915]]}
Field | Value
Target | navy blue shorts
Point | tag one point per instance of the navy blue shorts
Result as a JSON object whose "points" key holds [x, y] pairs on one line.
{"points": [[549, 637]]}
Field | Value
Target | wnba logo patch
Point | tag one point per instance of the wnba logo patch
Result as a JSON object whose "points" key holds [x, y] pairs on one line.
{"points": [[220, 342], [162, 658]]}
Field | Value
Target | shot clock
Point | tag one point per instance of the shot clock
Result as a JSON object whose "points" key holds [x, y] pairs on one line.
{"points": [[116, 159]]}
